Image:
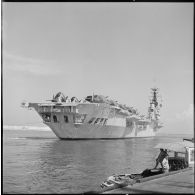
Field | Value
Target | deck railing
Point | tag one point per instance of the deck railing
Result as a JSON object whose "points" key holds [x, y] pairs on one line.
{"points": [[46, 109]]}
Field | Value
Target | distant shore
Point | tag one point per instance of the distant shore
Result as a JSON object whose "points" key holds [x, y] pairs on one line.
{"points": [[25, 127]]}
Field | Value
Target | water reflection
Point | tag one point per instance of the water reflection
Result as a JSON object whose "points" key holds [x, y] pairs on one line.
{"points": [[88, 162], [35, 164]]}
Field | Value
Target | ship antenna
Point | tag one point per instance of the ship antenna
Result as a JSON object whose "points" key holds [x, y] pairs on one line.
{"points": [[154, 96]]}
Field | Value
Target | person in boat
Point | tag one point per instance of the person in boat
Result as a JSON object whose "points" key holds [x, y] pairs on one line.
{"points": [[165, 164], [160, 158]]}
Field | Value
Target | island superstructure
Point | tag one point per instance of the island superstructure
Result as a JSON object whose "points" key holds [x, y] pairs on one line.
{"points": [[97, 117]]}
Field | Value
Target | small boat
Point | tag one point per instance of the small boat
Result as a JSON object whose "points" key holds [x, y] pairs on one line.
{"points": [[180, 158], [119, 181]]}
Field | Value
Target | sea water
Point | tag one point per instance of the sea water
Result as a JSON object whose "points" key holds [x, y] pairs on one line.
{"points": [[38, 162]]}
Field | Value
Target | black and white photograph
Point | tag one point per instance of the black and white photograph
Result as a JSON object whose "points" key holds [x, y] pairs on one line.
{"points": [[97, 97]]}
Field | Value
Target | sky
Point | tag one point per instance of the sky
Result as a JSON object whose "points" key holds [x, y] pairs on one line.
{"points": [[119, 50]]}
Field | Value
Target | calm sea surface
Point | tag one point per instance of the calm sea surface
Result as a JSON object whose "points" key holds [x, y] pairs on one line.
{"points": [[38, 162]]}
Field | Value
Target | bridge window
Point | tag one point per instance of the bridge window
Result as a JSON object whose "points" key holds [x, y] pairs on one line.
{"points": [[46, 117], [55, 120], [101, 121], [91, 120], [105, 121], [65, 119], [97, 121]]}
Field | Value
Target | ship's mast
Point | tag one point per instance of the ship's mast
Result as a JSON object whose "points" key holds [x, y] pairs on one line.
{"points": [[154, 97], [154, 108]]}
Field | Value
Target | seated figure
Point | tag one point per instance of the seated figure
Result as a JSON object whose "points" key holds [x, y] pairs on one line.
{"points": [[165, 164]]}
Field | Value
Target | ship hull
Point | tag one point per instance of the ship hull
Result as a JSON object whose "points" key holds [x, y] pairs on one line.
{"points": [[97, 132], [93, 121]]}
